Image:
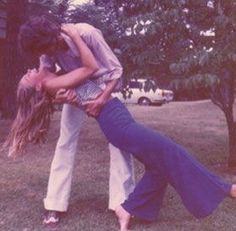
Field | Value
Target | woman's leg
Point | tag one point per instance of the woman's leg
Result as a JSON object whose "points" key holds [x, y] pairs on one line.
{"points": [[200, 190], [146, 200]]}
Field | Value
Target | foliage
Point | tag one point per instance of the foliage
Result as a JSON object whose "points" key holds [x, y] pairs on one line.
{"points": [[153, 38], [13, 64], [56, 9], [191, 41], [209, 54], [103, 17]]}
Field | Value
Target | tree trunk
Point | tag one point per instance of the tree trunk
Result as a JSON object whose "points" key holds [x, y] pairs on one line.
{"points": [[232, 138], [13, 66], [223, 96]]}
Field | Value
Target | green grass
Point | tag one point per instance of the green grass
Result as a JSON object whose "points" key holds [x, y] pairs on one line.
{"points": [[199, 126]]}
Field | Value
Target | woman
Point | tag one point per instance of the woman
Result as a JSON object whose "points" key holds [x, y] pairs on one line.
{"points": [[165, 162]]}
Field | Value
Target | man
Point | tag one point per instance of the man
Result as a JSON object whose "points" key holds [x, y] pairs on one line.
{"points": [[43, 38]]}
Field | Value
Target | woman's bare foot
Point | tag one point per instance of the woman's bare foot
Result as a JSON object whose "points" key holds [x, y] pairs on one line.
{"points": [[123, 217], [233, 191]]}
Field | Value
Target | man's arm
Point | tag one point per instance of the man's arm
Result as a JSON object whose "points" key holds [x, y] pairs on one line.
{"points": [[94, 107], [110, 70]]}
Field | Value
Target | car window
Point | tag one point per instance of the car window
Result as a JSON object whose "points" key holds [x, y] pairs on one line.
{"points": [[135, 85]]}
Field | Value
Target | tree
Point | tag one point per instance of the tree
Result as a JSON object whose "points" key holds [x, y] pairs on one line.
{"points": [[191, 41], [155, 36], [102, 17], [57, 10], [210, 62], [14, 64]]}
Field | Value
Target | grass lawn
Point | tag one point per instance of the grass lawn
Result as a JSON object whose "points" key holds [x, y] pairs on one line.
{"points": [[199, 126]]}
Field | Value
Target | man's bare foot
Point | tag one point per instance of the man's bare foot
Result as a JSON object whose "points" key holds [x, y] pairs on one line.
{"points": [[233, 191], [123, 217]]}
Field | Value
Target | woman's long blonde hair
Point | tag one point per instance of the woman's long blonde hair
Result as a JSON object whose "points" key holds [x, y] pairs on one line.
{"points": [[32, 119]]}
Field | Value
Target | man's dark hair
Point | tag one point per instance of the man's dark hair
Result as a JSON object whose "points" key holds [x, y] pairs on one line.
{"points": [[38, 34]]}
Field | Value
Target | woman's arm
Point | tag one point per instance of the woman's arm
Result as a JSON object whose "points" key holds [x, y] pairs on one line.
{"points": [[77, 76]]}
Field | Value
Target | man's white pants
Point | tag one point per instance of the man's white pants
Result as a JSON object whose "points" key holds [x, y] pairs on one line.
{"points": [[121, 182]]}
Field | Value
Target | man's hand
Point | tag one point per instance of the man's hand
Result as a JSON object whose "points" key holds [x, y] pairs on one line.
{"points": [[94, 107], [66, 96]]}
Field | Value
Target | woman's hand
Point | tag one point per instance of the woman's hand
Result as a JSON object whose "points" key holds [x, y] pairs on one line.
{"points": [[70, 30]]}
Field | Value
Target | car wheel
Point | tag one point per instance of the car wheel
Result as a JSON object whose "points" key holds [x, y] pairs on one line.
{"points": [[144, 101]]}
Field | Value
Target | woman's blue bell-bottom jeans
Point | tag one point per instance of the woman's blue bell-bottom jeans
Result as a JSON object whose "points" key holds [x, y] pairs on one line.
{"points": [[165, 163]]}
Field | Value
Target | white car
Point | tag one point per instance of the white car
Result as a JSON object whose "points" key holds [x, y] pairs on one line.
{"points": [[135, 92]]}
